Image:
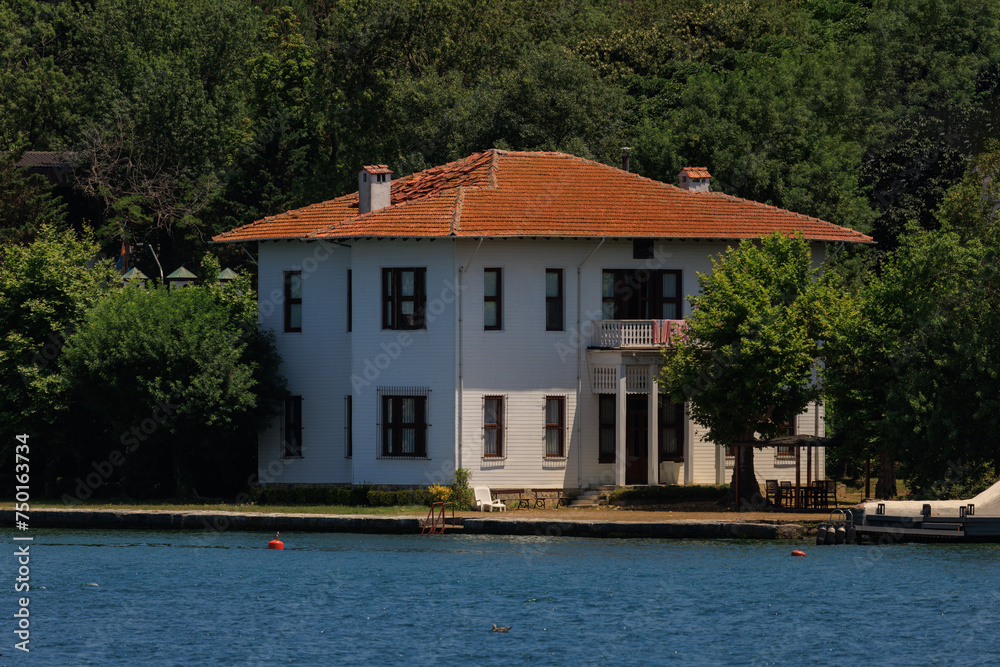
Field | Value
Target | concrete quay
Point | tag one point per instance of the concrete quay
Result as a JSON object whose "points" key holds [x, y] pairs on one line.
{"points": [[402, 525]]}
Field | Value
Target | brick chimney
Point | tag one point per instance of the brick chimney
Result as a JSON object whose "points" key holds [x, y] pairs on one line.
{"points": [[374, 184], [695, 179]]}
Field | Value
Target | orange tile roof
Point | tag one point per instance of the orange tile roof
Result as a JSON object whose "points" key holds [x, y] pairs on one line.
{"points": [[696, 172], [508, 194], [377, 169]]}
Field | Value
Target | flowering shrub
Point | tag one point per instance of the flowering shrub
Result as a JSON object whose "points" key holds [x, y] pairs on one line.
{"points": [[439, 494]]}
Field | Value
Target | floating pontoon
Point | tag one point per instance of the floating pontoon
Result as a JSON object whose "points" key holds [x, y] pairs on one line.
{"points": [[973, 520]]}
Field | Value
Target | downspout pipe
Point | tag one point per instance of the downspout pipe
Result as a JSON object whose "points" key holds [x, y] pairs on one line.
{"points": [[579, 377], [462, 270]]}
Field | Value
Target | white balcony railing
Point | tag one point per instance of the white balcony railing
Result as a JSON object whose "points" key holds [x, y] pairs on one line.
{"points": [[637, 333]]}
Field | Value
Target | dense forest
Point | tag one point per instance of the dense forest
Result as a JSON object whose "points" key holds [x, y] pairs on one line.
{"points": [[185, 119]]}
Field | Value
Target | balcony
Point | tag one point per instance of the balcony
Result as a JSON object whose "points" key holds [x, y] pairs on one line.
{"points": [[636, 334]]}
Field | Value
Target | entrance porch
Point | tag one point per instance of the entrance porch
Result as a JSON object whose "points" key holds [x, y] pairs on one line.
{"points": [[641, 431]]}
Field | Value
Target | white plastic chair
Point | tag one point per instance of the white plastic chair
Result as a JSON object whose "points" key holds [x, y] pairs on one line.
{"points": [[484, 501]]}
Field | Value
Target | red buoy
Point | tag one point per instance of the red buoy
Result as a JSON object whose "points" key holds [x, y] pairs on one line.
{"points": [[278, 544], [794, 553]]}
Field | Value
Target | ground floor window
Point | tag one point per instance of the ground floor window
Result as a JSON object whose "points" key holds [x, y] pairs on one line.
{"points": [[493, 427], [555, 426], [607, 409], [292, 435], [403, 423], [348, 426], [671, 427], [786, 451]]}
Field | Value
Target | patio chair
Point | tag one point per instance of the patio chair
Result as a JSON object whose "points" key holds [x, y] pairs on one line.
{"points": [[787, 494], [485, 502], [772, 492], [831, 490], [821, 494]]}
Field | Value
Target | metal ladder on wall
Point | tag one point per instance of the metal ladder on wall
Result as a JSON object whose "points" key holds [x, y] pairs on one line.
{"points": [[436, 521]]}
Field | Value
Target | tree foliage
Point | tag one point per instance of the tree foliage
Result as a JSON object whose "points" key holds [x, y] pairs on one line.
{"points": [[913, 371], [749, 364], [46, 289], [185, 380], [190, 118]]}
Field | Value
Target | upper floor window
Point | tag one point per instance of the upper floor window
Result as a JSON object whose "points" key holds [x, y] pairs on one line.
{"points": [[642, 248], [492, 299], [640, 294], [293, 301], [350, 305], [403, 298], [554, 300]]}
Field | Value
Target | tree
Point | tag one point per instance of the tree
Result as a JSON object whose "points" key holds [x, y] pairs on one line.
{"points": [[176, 383], [45, 290], [913, 363], [166, 112], [750, 361], [930, 72]]}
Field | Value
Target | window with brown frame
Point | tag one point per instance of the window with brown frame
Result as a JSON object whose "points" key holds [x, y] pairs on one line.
{"points": [[786, 451], [492, 299], [607, 409], [493, 425], [293, 301], [639, 294], [554, 299], [671, 424], [555, 426], [404, 427], [403, 298]]}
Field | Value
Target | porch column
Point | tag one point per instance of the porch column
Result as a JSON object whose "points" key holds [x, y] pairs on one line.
{"points": [[620, 394], [652, 439]]}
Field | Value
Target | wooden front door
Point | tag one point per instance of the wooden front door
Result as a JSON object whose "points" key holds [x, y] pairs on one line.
{"points": [[637, 440]]}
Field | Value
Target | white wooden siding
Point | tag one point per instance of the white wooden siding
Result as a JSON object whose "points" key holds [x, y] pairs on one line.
{"points": [[314, 360], [393, 358], [522, 361]]}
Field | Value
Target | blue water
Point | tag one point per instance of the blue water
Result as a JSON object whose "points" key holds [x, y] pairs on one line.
{"points": [[163, 598]]}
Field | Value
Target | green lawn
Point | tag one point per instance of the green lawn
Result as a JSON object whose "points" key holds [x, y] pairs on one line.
{"points": [[225, 507]]}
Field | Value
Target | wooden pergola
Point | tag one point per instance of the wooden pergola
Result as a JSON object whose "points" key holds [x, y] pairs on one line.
{"points": [[796, 441]]}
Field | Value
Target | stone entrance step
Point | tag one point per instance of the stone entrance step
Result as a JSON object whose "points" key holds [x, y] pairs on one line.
{"points": [[593, 497]]}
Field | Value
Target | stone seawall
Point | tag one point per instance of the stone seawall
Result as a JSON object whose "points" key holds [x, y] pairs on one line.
{"points": [[402, 525]]}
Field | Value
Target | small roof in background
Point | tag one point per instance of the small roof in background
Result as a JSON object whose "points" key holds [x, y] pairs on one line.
{"points": [[55, 166], [377, 169], [134, 274], [182, 274], [226, 274]]}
